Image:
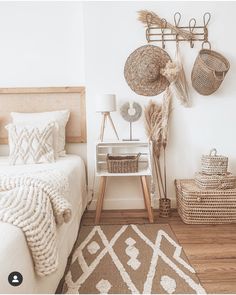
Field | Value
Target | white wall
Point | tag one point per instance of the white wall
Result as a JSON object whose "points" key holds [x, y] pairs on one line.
{"points": [[42, 44], [75, 43], [112, 32]]}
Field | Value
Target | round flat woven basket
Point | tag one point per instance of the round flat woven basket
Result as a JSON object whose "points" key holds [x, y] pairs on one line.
{"points": [[209, 71]]}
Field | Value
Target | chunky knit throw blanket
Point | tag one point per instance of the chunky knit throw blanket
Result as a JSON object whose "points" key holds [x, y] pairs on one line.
{"points": [[37, 207]]}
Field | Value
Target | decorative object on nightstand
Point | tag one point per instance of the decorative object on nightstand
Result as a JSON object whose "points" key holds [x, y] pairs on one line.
{"points": [[131, 112], [106, 104], [122, 163], [129, 159]]}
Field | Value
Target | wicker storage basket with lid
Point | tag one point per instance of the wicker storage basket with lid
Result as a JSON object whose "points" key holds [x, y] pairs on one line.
{"points": [[122, 163], [214, 164], [196, 206], [224, 181], [209, 71]]}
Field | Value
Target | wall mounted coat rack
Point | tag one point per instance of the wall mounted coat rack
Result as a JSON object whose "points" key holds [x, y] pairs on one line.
{"points": [[159, 30]]}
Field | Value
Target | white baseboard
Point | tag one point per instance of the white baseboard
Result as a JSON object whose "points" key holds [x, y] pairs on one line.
{"points": [[123, 204]]}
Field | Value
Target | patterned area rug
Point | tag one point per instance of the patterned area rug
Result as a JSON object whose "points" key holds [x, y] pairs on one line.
{"points": [[127, 259]]}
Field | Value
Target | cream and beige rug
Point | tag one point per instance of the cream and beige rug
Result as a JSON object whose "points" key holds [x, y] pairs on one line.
{"points": [[112, 259]]}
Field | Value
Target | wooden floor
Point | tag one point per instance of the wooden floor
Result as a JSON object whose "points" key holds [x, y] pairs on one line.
{"points": [[211, 249]]}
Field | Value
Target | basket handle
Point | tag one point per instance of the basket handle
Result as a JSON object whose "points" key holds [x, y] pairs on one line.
{"points": [[138, 155], [219, 78], [206, 42], [213, 151]]}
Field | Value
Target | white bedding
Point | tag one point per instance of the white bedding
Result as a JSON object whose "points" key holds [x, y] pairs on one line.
{"points": [[14, 252]]}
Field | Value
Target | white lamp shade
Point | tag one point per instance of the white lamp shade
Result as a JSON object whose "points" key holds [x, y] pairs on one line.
{"points": [[106, 103]]}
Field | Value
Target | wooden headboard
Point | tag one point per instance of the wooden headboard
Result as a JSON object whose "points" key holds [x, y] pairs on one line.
{"points": [[45, 99]]}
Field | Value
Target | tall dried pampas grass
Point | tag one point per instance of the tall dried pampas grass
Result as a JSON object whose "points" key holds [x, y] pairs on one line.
{"points": [[157, 120], [166, 109], [153, 120], [153, 116]]}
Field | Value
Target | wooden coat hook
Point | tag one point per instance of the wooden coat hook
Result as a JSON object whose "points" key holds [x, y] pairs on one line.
{"points": [[192, 25], [159, 30]]}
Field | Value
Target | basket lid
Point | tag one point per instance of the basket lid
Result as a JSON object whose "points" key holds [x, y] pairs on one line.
{"points": [[213, 153]]}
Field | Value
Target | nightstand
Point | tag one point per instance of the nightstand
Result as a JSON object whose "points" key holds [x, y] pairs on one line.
{"points": [[124, 148]]}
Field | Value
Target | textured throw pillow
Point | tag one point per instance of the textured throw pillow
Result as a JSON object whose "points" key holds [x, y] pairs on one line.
{"points": [[29, 144], [60, 117]]}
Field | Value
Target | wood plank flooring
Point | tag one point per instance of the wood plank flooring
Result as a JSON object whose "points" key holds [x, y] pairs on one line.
{"points": [[211, 249]]}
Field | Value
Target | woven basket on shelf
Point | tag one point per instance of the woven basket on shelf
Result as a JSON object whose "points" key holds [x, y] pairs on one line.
{"points": [[209, 71], [225, 181], [122, 164], [196, 206], [214, 164]]}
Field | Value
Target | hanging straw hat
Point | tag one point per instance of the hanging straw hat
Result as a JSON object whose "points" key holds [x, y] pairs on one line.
{"points": [[142, 70]]}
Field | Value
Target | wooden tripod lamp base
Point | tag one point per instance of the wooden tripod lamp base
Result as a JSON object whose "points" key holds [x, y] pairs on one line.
{"points": [[106, 117], [106, 104]]}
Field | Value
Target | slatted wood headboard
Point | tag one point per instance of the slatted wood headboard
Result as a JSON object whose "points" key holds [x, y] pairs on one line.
{"points": [[43, 99]]}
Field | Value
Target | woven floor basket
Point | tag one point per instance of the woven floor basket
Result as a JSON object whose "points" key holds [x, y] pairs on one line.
{"points": [[214, 164], [122, 164], [196, 206], [209, 71], [226, 181]]}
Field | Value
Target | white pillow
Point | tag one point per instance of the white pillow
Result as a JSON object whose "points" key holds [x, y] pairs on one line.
{"points": [[37, 119], [29, 144]]}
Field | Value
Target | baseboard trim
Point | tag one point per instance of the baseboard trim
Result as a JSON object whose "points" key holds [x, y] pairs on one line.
{"points": [[123, 204]]}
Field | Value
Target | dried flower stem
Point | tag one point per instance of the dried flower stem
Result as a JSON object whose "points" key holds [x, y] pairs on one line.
{"points": [[153, 116], [156, 20], [166, 108]]}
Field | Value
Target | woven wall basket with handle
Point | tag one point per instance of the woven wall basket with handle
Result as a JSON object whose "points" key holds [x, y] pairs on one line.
{"points": [[209, 71]]}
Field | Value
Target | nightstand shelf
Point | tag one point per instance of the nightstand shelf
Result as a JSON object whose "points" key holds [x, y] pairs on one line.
{"points": [[124, 148]]}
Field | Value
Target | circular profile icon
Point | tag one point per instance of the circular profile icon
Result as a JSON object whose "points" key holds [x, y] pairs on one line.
{"points": [[15, 279]]}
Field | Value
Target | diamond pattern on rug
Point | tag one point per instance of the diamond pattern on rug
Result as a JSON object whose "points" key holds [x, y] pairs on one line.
{"points": [[130, 259], [133, 253], [103, 286], [93, 247], [168, 284]]}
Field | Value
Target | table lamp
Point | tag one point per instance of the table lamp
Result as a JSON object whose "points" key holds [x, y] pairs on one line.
{"points": [[106, 104]]}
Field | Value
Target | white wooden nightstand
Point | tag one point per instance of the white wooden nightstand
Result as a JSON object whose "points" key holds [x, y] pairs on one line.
{"points": [[124, 148]]}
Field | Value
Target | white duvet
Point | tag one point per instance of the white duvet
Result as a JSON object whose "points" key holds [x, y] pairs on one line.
{"points": [[14, 252]]}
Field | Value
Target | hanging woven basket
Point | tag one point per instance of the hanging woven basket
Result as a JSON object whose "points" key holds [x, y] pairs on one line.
{"points": [[209, 70]]}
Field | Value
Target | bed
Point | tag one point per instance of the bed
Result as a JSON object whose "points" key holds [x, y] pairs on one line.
{"points": [[15, 254]]}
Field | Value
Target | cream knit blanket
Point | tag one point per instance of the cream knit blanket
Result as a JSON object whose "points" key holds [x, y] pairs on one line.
{"points": [[36, 206]]}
